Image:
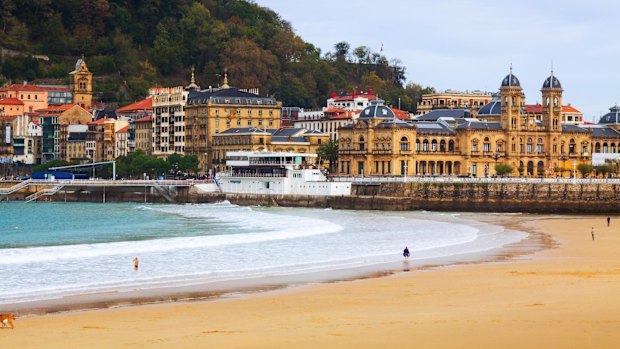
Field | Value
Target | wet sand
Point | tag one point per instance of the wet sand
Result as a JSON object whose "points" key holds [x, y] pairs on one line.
{"points": [[562, 296]]}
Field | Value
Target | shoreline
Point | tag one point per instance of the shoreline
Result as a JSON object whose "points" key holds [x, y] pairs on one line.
{"points": [[564, 296], [210, 291]]}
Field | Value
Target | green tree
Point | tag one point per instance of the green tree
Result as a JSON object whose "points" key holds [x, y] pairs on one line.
{"points": [[189, 164], [603, 170], [585, 169], [329, 151], [503, 169]]}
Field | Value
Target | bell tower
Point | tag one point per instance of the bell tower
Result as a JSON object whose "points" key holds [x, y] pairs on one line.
{"points": [[81, 83], [511, 95], [552, 104]]}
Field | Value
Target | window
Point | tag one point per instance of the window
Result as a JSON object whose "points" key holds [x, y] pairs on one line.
{"points": [[474, 146], [425, 145], [434, 145], [486, 147], [404, 143]]}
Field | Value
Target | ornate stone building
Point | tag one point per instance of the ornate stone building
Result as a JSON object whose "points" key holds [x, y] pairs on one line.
{"points": [[81, 84], [380, 144], [215, 110]]}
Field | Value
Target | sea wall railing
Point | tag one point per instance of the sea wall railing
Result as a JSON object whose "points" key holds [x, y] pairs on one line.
{"points": [[449, 179]]}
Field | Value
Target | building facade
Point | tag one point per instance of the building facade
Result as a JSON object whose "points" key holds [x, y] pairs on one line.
{"points": [[213, 111], [378, 143], [33, 96], [143, 135], [168, 123], [450, 99], [290, 140]]}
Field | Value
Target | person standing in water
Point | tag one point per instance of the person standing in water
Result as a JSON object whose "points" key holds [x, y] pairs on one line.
{"points": [[592, 233], [406, 253], [136, 262]]}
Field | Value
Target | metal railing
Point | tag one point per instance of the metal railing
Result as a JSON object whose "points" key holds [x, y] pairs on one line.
{"points": [[16, 187], [49, 191], [452, 179]]}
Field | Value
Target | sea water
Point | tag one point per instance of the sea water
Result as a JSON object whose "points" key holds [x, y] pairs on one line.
{"points": [[51, 250]]}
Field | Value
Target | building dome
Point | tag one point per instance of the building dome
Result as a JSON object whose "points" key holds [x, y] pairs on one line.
{"points": [[613, 117], [552, 82], [494, 107], [376, 110], [511, 80]]}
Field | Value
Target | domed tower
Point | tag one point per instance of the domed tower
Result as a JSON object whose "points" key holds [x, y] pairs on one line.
{"points": [[552, 103], [511, 97]]}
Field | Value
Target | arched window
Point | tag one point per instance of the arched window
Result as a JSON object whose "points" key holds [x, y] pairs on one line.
{"points": [[425, 145], [605, 148], [451, 145], [442, 146], [417, 145], [571, 146], [597, 147], [474, 145], [612, 148], [404, 143], [555, 102], [530, 146], [362, 145], [434, 145], [539, 145], [547, 101]]}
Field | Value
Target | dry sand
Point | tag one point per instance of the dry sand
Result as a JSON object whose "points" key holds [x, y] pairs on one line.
{"points": [[567, 296]]}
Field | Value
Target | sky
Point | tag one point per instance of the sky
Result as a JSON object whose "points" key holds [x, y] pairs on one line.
{"points": [[470, 44]]}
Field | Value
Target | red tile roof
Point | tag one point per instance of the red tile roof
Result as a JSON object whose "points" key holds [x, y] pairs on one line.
{"points": [[334, 110], [124, 129], [16, 87], [98, 122], [144, 119], [56, 88], [56, 108], [11, 101], [145, 104], [401, 114], [537, 109], [569, 109]]}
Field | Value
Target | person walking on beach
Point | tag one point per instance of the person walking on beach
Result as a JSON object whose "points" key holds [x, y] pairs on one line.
{"points": [[406, 253], [592, 232], [608, 221], [136, 262]]}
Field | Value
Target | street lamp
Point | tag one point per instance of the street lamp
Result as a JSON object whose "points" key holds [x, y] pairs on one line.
{"points": [[496, 156], [574, 171]]}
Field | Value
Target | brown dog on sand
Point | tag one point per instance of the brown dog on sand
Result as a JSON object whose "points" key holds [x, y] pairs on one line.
{"points": [[7, 320]]}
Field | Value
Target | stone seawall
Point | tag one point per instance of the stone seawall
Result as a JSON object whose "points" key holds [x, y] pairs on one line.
{"points": [[565, 198], [590, 198]]}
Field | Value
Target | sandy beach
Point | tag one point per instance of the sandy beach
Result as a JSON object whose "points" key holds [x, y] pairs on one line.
{"points": [[565, 296]]}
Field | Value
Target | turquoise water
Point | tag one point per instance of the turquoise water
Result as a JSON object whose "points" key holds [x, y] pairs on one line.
{"points": [[50, 250]]}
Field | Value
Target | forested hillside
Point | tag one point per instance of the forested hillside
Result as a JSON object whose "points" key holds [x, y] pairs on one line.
{"points": [[131, 45]]}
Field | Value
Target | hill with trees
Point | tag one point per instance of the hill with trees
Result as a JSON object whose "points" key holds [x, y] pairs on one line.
{"points": [[131, 45]]}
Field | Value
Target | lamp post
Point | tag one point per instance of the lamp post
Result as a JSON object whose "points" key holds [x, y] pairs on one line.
{"points": [[574, 171], [496, 156], [564, 157]]}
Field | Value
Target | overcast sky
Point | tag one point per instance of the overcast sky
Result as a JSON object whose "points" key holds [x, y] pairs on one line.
{"points": [[469, 44]]}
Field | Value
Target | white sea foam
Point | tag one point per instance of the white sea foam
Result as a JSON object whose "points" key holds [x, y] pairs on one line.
{"points": [[237, 243]]}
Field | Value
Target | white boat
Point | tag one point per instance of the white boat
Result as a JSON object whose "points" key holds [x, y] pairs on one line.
{"points": [[278, 173]]}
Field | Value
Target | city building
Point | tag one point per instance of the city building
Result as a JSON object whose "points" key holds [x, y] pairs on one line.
{"points": [[11, 107], [289, 115], [76, 147], [380, 144], [107, 139], [136, 111], [33, 96], [168, 121], [52, 120], [27, 136], [451, 99], [143, 135], [81, 84], [213, 111], [289, 140], [58, 95]]}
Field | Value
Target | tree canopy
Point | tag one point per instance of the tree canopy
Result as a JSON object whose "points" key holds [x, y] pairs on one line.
{"points": [[130, 45]]}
